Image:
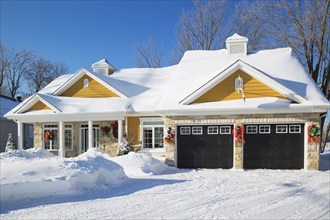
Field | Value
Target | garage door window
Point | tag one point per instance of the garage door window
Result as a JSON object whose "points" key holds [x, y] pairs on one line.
{"points": [[225, 130], [212, 130], [295, 129], [264, 129], [197, 130], [252, 129], [185, 130], [281, 129]]}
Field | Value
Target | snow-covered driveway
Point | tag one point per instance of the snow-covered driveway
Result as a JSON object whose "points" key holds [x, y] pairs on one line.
{"points": [[189, 194]]}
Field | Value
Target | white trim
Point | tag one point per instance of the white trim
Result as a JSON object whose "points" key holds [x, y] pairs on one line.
{"points": [[43, 136], [200, 132], [69, 129], [295, 132], [264, 132], [248, 69], [38, 97], [20, 135], [153, 132], [252, 127], [282, 132], [212, 127], [225, 131], [78, 75], [182, 132], [306, 146]]}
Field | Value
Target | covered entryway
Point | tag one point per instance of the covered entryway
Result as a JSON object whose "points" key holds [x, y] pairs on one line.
{"points": [[274, 146], [204, 146]]}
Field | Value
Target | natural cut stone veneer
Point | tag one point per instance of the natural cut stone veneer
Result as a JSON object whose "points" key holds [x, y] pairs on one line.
{"points": [[37, 135], [313, 151], [170, 148]]}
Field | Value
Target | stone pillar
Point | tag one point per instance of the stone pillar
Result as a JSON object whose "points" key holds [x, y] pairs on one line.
{"points": [[120, 131], [238, 151], [90, 134], [61, 139], [20, 135], [312, 150], [170, 154]]}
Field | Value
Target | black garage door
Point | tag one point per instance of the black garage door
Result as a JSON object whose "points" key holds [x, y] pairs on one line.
{"points": [[205, 146], [276, 146]]}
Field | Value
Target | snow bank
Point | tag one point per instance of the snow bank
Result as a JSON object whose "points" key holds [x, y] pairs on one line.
{"points": [[25, 175], [36, 173], [139, 164]]}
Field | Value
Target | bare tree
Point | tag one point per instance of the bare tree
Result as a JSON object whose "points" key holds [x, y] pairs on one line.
{"points": [[203, 27], [19, 66], [148, 55], [4, 65]]}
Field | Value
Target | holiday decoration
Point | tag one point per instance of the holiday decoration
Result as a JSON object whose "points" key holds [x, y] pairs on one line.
{"points": [[114, 126], [239, 86], [10, 143], [105, 130], [313, 134], [238, 133], [169, 136], [48, 135]]}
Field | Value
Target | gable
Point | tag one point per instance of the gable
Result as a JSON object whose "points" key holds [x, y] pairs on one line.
{"points": [[225, 90], [39, 105], [93, 90]]}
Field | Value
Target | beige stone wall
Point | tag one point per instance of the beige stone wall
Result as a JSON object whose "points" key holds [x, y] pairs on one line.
{"points": [[312, 151], [37, 135], [108, 143]]}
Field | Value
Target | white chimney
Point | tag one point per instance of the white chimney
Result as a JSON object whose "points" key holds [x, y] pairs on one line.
{"points": [[103, 67], [237, 44]]}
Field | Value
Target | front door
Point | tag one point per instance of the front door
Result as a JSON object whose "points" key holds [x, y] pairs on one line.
{"points": [[153, 137], [84, 137]]}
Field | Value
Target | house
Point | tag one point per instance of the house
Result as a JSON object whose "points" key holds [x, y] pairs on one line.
{"points": [[9, 126], [214, 109]]}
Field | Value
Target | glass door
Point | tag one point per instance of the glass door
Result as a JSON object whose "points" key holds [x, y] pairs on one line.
{"points": [[153, 137], [84, 137]]}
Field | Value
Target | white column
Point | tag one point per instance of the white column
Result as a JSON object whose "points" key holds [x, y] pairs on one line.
{"points": [[61, 140], [120, 131], [90, 134], [20, 135]]}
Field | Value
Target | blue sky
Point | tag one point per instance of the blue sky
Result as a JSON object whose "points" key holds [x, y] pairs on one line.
{"points": [[80, 33]]}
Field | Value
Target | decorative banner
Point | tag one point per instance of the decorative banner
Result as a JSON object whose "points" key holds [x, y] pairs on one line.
{"points": [[169, 136], [238, 133], [313, 134], [48, 135], [239, 86]]}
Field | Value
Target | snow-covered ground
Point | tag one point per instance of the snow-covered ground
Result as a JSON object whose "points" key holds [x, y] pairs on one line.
{"points": [[37, 185]]}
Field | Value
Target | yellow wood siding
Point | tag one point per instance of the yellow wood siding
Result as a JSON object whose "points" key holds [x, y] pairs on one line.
{"points": [[225, 90], [94, 89], [133, 129], [38, 106]]}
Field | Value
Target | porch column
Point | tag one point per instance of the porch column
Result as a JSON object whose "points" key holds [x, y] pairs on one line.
{"points": [[20, 135], [90, 134], [61, 140], [120, 131]]}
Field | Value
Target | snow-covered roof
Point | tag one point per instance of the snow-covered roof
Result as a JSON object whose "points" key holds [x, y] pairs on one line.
{"points": [[6, 104], [103, 63], [236, 37], [162, 90]]}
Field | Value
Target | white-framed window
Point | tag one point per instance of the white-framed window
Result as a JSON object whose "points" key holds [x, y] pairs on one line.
{"points": [[281, 129], [184, 130], [225, 129], [212, 130], [50, 137], [252, 129], [86, 83], [264, 129], [152, 133], [295, 129], [197, 130], [84, 136], [68, 138]]}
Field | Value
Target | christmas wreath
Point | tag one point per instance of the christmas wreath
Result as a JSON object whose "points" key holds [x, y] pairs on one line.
{"points": [[105, 130], [169, 136], [313, 134], [48, 135], [238, 133]]}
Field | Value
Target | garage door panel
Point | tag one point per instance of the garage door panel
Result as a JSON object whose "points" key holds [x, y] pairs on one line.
{"points": [[212, 150], [279, 149]]}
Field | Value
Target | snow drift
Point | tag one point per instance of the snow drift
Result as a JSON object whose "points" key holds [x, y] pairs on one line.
{"points": [[36, 173]]}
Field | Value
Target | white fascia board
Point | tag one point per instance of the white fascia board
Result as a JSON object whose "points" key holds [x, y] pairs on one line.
{"points": [[80, 74], [67, 117], [240, 65], [33, 101], [246, 111]]}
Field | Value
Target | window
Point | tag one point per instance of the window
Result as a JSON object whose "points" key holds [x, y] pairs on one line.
{"points": [[264, 129], [212, 130], [281, 129], [68, 137], [197, 130], [225, 130], [86, 83], [252, 129], [50, 136], [295, 128], [152, 133], [185, 130]]}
